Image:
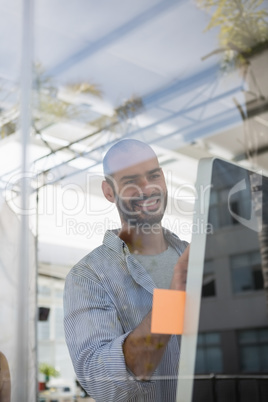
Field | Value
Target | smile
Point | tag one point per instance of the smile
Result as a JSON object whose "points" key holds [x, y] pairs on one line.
{"points": [[147, 205]]}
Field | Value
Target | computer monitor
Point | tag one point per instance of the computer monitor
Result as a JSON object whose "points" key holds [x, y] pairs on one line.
{"points": [[224, 346]]}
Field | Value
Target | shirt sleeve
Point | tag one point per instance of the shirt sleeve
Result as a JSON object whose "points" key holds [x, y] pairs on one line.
{"points": [[95, 337]]}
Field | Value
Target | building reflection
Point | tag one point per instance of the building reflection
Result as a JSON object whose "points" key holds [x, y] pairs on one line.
{"points": [[232, 345]]}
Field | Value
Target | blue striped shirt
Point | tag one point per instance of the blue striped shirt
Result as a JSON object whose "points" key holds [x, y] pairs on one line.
{"points": [[107, 294]]}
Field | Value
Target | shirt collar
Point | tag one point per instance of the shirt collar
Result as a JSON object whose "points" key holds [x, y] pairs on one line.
{"points": [[112, 241]]}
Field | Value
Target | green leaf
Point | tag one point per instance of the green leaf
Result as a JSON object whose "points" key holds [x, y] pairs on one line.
{"points": [[48, 370]]}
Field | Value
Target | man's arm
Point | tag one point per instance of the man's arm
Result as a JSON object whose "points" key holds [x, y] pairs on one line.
{"points": [[94, 337], [144, 350]]}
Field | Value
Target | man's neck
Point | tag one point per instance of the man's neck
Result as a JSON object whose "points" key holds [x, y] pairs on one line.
{"points": [[144, 240]]}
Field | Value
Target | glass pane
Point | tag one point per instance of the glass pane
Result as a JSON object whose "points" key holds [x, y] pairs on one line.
{"points": [[214, 360], [235, 252], [223, 195], [242, 279], [214, 217], [63, 361], [264, 358], [213, 197], [43, 330], [208, 287], [225, 218], [201, 339], [255, 259], [149, 70], [59, 330], [45, 352], [246, 337], [212, 338], [239, 261], [200, 361], [44, 290], [59, 293], [250, 359], [209, 266], [257, 276], [263, 335]]}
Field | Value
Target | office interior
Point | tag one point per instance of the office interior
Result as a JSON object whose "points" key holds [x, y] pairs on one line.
{"points": [[76, 77]]}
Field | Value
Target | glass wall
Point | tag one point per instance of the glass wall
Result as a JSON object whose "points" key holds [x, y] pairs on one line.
{"points": [[76, 77]]}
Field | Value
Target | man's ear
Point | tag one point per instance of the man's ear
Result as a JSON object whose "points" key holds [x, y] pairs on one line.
{"points": [[108, 191]]}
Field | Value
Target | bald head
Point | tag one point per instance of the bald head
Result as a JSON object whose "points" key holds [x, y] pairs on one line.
{"points": [[124, 154], [135, 183]]}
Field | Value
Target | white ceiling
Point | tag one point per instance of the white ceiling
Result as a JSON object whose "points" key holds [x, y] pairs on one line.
{"points": [[151, 49]]}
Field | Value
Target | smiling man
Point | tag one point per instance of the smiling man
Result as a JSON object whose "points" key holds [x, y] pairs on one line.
{"points": [[135, 182], [108, 294]]}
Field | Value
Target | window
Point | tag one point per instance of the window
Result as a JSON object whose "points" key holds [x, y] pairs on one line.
{"points": [[209, 353], [44, 290], [50, 332], [52, 348], [59, 330], [43, 330], [253, 347], [53, 327], [209, 286], [223, 210], [246, 272]]}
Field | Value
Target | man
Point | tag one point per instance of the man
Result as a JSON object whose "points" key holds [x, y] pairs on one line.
{"points": [[108, 294]]}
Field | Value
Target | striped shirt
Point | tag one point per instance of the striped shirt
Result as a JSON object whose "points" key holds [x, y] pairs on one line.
{"points": [[107, 294]]}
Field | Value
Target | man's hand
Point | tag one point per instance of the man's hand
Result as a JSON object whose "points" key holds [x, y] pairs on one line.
{"points": [[180, 271], [144, 350]]}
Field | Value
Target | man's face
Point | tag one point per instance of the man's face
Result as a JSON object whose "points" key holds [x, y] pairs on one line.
{"points": [[141, 193]]}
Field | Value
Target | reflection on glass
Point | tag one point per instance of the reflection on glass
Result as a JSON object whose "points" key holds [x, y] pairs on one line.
{"points": [[209, 354], [246, 272], [59, 332], [253, 346], [43, 330], [209, 284], [233, 324], [44, 290]]}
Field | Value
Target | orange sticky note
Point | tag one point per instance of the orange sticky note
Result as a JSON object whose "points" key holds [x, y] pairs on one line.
{"points": [[168, 311]]}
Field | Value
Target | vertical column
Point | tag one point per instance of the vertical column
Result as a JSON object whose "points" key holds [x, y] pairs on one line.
{"points": [[20, 390]]}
